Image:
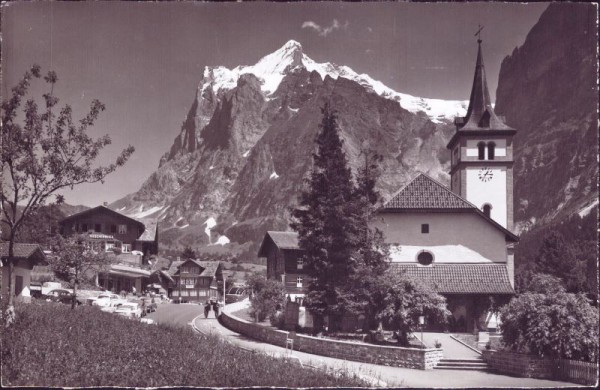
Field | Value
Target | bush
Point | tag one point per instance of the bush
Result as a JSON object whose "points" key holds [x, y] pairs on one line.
{"points": [[53, 346], [267, 300], [547, 321]]}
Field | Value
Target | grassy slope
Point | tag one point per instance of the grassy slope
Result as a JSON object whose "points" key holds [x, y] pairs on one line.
{"points": [[54, 346]]}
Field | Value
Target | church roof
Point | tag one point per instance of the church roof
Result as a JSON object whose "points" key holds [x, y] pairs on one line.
{"points": [[425, 193], [480, 114], [459, 278]]}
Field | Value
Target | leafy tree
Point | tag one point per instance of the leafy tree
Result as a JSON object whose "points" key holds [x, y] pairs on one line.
{"points": [[74, 262], [557, 258], [327, 223], [44, 154], [188, 253], [548, 321], [404, 300], [267, 299], [255, 282]]}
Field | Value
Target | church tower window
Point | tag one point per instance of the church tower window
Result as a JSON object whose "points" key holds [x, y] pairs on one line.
{"points": [[481, 148], [425, 228], [491, 150]]}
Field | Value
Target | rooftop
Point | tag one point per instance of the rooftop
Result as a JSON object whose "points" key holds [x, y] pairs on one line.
{"points": [[459, 278], [283, 240], [22, 251]]}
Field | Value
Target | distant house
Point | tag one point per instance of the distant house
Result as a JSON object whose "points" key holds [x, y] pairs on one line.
{"points": [[284, 262], [191, 280], [133, 242], [26, 255]]}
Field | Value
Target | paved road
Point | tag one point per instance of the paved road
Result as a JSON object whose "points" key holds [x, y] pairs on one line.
{"points": [[378, 375]]}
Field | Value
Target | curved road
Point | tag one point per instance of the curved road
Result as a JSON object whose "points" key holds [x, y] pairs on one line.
{"points": [[185, 314]]}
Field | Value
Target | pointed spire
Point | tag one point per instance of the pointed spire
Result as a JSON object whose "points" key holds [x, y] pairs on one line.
{"points": [[480, 114]]}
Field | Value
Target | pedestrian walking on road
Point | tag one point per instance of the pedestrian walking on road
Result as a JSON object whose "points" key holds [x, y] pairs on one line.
{"points": [[215, 307], [206, 309]]}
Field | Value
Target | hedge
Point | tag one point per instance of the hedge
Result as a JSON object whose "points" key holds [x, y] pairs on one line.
{"points": [[51, 345]]}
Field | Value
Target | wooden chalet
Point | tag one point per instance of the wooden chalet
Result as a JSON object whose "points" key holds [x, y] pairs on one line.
{"points": [[26, 256]]}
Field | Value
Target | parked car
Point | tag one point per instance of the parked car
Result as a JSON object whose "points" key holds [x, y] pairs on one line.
{"points": [[105, 299], [47, 287], [148, 321], [236, 294], [112, 306], [130, 310], [63, 296]]}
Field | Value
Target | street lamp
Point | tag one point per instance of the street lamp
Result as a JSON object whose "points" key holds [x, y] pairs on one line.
{"points": [[422, 323]]}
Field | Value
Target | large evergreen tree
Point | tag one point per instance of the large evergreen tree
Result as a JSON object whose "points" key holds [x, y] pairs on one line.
{"points": [[327, 222]]}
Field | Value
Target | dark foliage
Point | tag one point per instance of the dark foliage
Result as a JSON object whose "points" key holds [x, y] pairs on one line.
{"points": [[547, 321]]}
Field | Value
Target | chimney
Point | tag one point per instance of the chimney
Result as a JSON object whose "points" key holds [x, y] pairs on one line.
{"points": [[105, 204]]}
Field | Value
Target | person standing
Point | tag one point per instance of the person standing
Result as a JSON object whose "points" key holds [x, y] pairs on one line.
{"points": [[133, 290], [206, 309], [215, 306]]}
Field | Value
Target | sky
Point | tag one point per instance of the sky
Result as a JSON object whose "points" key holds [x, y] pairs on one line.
{"points": [[144, 60]]}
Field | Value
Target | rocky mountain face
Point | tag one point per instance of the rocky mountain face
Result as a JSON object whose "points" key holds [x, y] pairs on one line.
{"points": [[239, 161], [547, 90]]}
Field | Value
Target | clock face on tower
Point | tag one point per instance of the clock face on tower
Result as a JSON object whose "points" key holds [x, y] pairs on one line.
{"points": [[485, 174]]}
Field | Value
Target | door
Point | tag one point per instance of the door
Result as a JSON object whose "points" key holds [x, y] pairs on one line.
{"points": [[18, 285]]}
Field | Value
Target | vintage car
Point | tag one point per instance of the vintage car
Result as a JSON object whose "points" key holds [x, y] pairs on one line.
{"points": [[106, 299], [130, 310], [236, 294]]}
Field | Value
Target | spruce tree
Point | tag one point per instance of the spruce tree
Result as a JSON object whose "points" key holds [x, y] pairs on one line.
{"points": [[328, 224]]}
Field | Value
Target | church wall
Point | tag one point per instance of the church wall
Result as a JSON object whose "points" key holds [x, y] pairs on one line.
{"points": [[467, 229]]}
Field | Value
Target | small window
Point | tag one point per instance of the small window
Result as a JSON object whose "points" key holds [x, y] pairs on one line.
{"points": [[299, 281], [425, 258], [300, 263], [481, 150], [487, 210], [491, 150], [425, 228], [126, 248], [122, 229]]}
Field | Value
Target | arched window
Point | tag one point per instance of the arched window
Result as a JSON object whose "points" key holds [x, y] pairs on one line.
{"points": [[491, 150], [481, 148], [425, 258], [487, 209]]}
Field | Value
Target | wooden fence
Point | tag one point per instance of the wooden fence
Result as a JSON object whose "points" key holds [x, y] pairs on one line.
{"points": [[585, 373]]}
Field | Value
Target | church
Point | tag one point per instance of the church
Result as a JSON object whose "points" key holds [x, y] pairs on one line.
{"points": [[458, 240]]}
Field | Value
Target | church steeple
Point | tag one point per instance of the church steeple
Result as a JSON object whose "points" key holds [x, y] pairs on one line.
{"points": [[480, 115]]}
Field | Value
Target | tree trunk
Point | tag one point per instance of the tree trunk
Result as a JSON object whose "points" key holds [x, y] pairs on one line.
{"points": [[74, 297], [10, 310]]}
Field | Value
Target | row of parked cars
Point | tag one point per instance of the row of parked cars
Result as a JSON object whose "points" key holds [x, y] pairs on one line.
{"points": [[107, 302], [113, 303]]}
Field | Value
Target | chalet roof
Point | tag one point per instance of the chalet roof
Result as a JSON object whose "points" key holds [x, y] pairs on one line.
{"points": [[283, 240], [150, 231], [423, 192], [480, 114], [459, 278], [426, 194], [23, 251], [160, 263], [101, 208], [174, 267], [210, 267]]}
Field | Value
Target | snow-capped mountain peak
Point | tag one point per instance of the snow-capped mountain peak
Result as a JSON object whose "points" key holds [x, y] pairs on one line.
{"points": [[272, 68]]}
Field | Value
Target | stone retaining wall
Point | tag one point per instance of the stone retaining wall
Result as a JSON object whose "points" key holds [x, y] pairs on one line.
{"points": [[424, 359], [527, 366], [530, 366]]}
